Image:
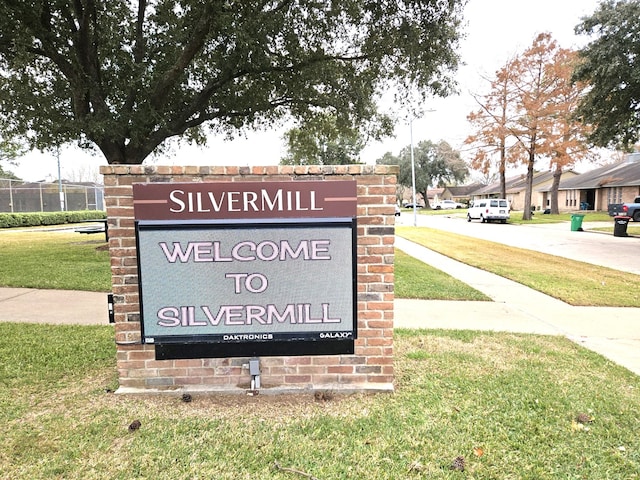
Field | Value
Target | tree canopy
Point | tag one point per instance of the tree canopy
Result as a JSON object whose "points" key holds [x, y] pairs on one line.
{"points": [[321, 141], [126, 76], [9, 152], [610, 63]]}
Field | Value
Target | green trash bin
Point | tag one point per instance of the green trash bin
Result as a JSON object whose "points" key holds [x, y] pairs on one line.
{"points": [[576, 222]]}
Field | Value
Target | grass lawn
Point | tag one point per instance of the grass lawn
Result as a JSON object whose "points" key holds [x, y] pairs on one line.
{"points": [[576, 283], [507, 403], [516, 216], [415, 279], [61, 260]]}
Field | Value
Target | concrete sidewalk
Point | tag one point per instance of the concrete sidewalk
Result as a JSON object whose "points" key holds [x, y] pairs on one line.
{"points": [[63, 307], [612, 332]]}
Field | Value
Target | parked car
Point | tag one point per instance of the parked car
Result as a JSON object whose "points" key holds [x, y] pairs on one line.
{"points": [[488, 210], [629, 209], [410, 205], [447, 205]]}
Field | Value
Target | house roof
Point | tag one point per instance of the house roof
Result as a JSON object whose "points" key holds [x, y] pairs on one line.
{"points": [[432, 192], [621, 174], [512, 185], [518, 183], [465, 190], [521, 184]]}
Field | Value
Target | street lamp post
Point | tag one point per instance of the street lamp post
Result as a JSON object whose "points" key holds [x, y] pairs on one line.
{"points": [[60, 193], [413, 176]]}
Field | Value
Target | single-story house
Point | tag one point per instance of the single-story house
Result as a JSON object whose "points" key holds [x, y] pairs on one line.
{"points": [[595, 190], [516, 187], [433, 195], [462, 193]]}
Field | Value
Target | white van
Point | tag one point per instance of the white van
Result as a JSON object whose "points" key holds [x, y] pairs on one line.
{"points": [[489, 209]]}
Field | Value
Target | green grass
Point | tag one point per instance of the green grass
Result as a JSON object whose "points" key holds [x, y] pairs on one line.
{"points": [[632, 229], [505, 402], [576, 283], [415, 279], [54, 260], [539, 217]]}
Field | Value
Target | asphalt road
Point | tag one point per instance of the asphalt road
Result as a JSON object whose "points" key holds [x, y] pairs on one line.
{"points": [[597, 248]]}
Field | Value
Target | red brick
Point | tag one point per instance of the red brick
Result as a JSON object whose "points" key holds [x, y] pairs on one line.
{"points": [[297, 379]]}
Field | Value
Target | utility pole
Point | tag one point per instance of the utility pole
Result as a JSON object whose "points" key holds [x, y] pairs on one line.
{"points": [[60, 193]]}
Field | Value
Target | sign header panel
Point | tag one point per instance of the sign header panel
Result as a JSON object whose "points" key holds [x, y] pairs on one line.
{"points": [[244, 200]]}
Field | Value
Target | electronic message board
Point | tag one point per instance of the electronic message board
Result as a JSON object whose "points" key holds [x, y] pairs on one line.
{"points": [[216, 284]]}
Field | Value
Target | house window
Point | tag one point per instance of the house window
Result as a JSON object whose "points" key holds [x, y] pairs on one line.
{"points": [[614, 195], [571, 198]]}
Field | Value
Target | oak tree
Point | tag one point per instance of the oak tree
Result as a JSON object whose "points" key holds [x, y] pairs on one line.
{"points": [[323, 141], [9, 153], [435, 164], [126, 76], [610, 64]]}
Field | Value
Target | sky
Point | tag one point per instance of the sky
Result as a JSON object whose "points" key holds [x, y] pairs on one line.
{"points": [[496, 30]]}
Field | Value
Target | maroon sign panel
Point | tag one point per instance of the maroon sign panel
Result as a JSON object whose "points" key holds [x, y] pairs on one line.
{"points": [[244, 200]]}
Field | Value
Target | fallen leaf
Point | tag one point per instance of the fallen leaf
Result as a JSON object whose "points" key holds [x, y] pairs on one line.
{"points": [[416, 466], [576, 426], [584, 418], [478, 451], [458, 464], [135, 425]]}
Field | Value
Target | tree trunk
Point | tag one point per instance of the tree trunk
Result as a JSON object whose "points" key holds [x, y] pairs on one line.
{"points": [[557, 175], [425, 199], [526, 215], [503, 167]]}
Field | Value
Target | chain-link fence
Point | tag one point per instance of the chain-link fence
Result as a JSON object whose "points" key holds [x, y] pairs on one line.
{"points": [[18, 196]]}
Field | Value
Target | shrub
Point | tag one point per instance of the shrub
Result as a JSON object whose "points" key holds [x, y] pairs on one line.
{"points": [[11, 220]]}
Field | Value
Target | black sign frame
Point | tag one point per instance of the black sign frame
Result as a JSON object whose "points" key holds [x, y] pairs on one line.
{"points": [[238, 345]]}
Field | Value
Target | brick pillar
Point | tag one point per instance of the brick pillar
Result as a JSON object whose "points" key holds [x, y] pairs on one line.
{"points": [[370, 368]]}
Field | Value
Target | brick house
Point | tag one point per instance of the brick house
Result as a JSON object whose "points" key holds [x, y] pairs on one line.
{"points": [[595, 190], [516, 187]]}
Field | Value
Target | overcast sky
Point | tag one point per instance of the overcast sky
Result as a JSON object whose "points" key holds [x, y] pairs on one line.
{"points": [[496, 30]]}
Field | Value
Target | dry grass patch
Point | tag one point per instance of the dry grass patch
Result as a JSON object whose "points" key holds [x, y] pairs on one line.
{"points": [[576, 283]]}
